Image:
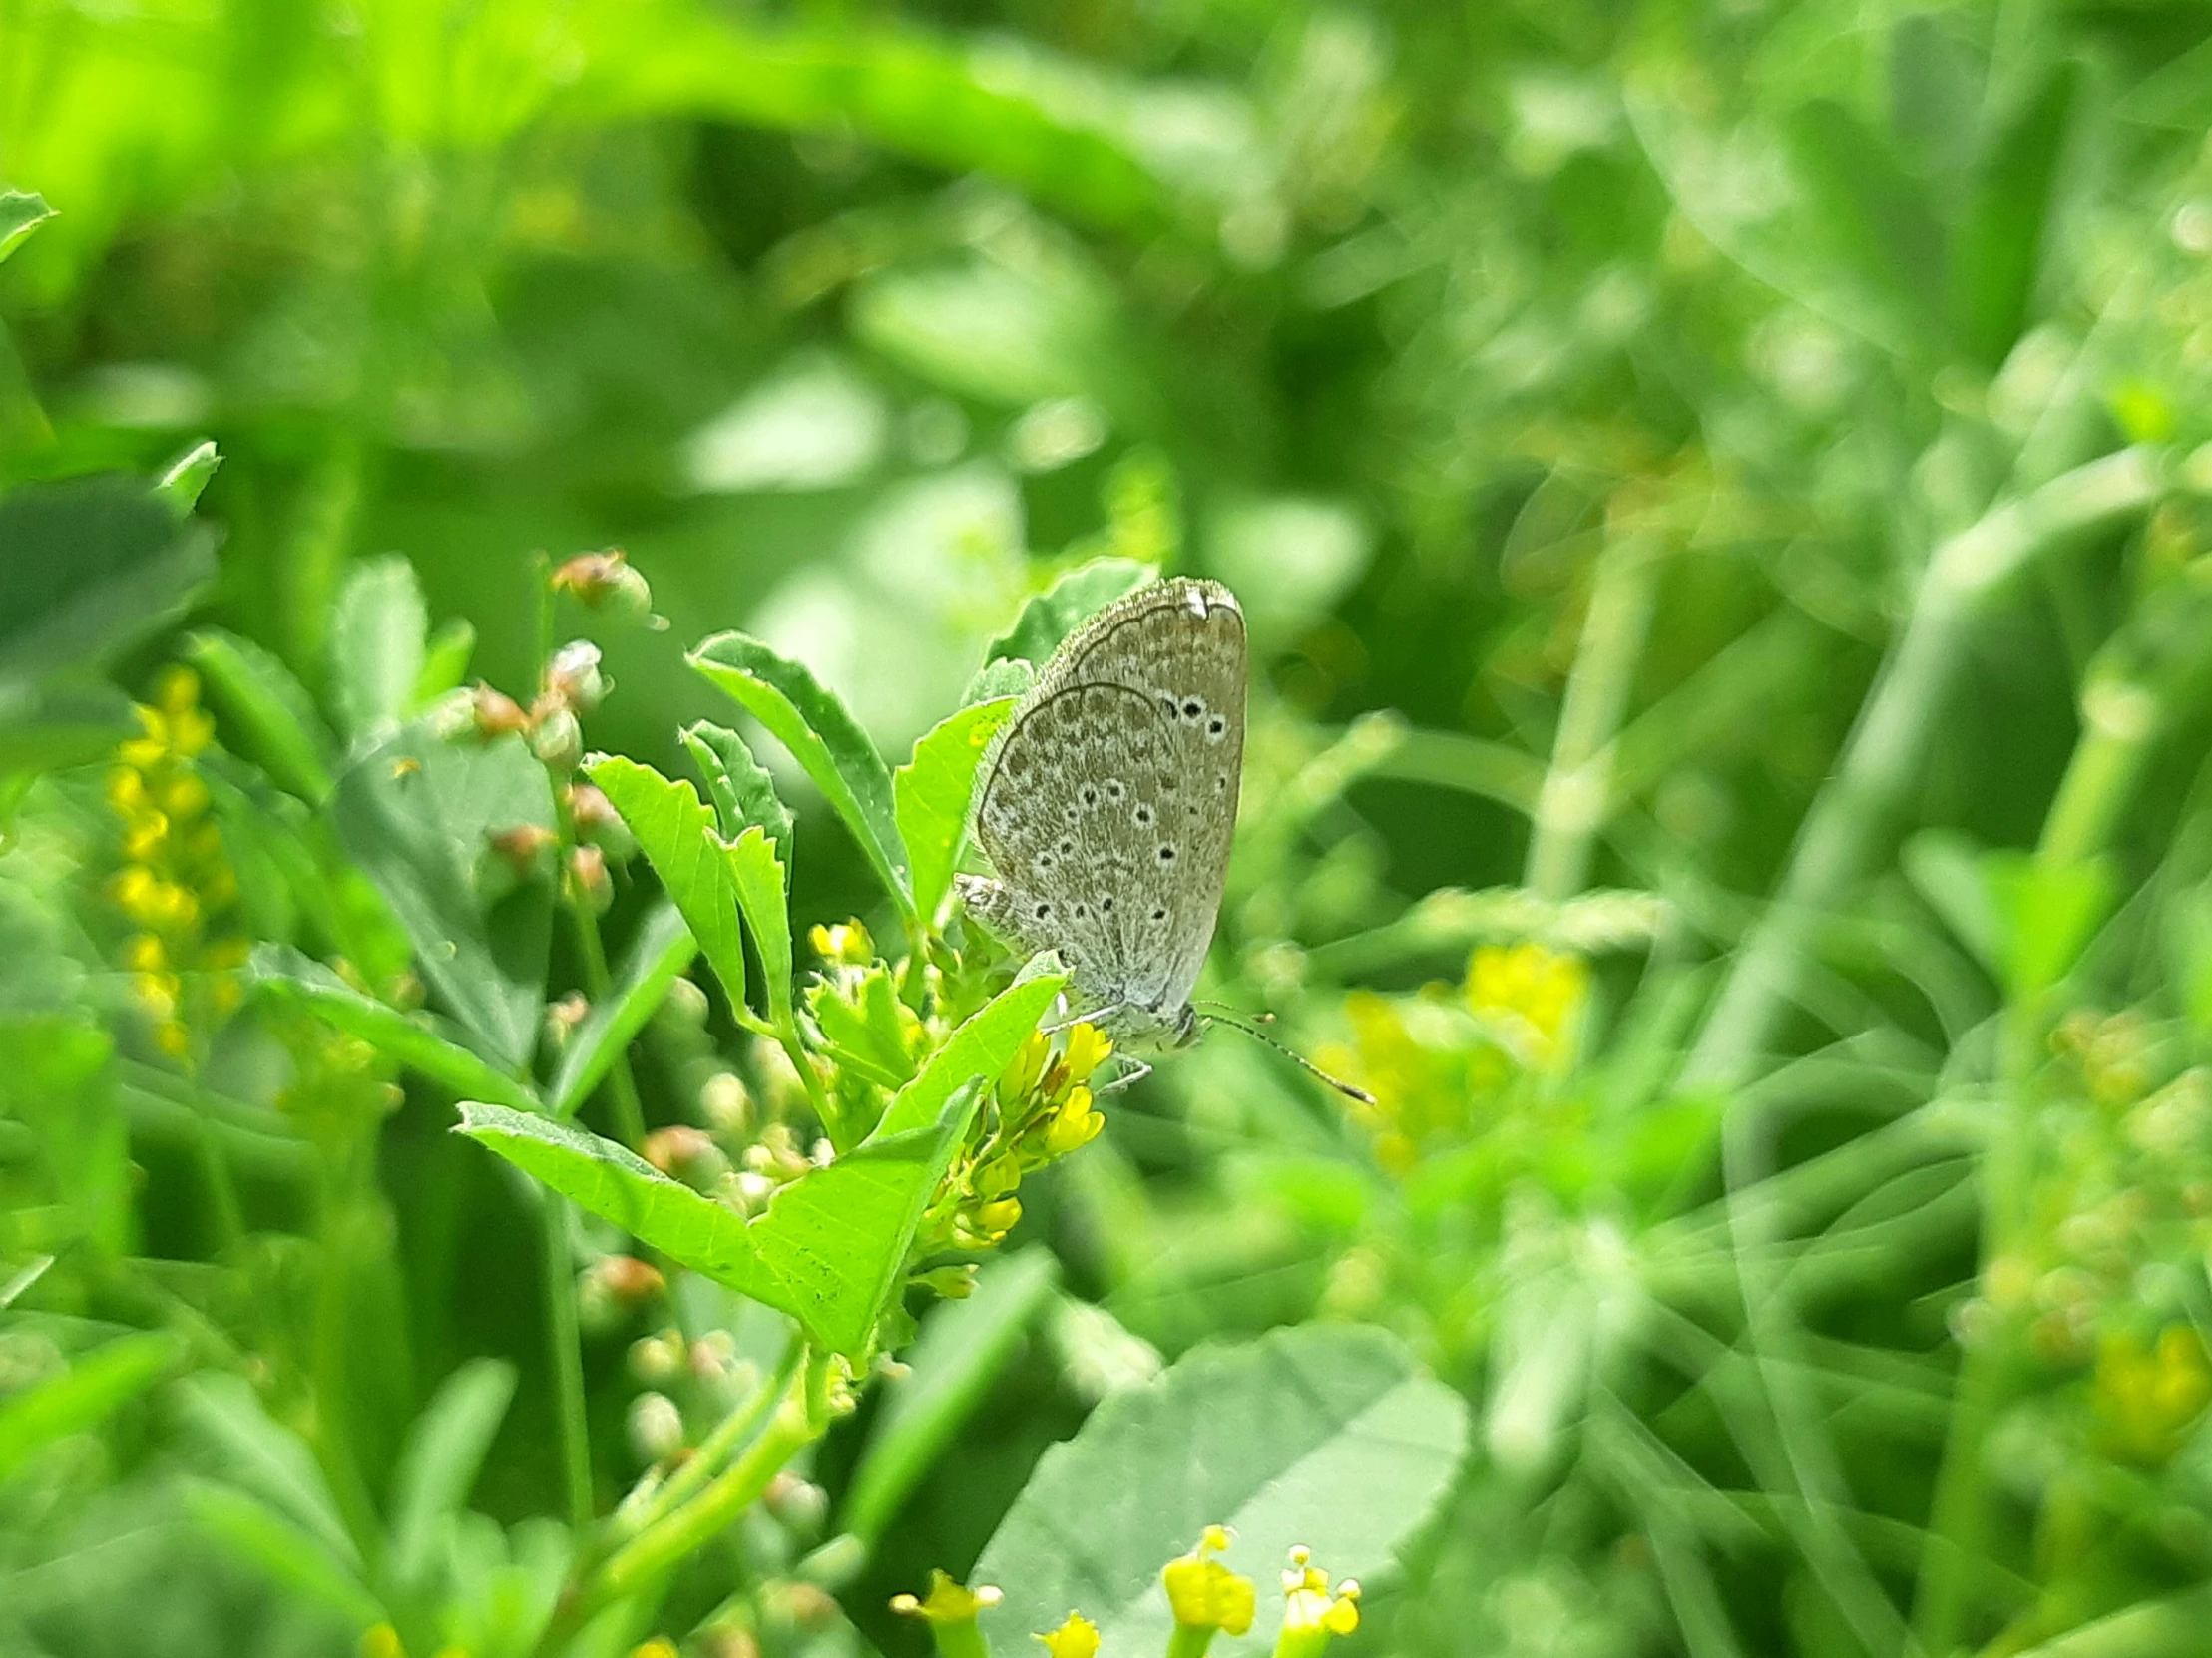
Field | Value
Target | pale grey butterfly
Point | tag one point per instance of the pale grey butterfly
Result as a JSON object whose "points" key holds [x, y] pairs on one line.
{"points": [[1107, 804]]}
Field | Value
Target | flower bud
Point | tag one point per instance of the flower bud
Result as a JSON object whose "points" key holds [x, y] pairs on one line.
{"points": [[656, 1428], [496, 714], [723, 1100], [682, 1012], [599, 824], [604, 581], [557, 740], [519, 848], [613, 1289], [687, 1156], [799, 1506], [573, 676], [563, 1017], [588, 887], [659, 1360]]}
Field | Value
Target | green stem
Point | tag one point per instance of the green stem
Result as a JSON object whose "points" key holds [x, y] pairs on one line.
{"points": [[567, 1360], [1570, 806], [729, 1433], [333, 1329], [1882, 756], [622, 1084]]}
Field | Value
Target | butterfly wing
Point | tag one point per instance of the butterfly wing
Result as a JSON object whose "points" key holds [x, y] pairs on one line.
{"points": [[1108, 802]]}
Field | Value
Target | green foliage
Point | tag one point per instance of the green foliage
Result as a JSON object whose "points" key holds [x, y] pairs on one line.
{"points": [[677, 834], [930, 798]]}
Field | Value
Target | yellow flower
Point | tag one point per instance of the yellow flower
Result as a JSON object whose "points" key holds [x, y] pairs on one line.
{"points": [[1077, 1638], [382, 1642], [1204, 1594], [1535, 992], [1022, 1076], [1073, 1124], [950, 1611], [1312, 1612], [1088, 1048], [846, 944], [658, 1647], [2148, 1399], [142, 953]]}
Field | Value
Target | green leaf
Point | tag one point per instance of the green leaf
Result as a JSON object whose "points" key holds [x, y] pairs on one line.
{"points": [[829, 1250], [983, 1046], [1063, 606], [662, 948], [85, 567], [1998, 248], [419, 1040], [1004, 676], [618, 1186], [868, 1031], [283, 735], [676, 833], [377, 632], [301, 1562], [744, 794], [1947, 870], [418, 815], [186, 476], [439, 1463], [258, 1456], [44, 727], [962, 1349], [21, 212], [1325, 1435], [761, 884], [82, 1397], [931, 793], [445, 660], [2053, 911], [822, 736]]}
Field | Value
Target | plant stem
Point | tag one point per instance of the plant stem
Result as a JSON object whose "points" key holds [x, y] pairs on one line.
{"points": [[1572, 804], [629, 1110], [1883, 754], [567, 1360]]}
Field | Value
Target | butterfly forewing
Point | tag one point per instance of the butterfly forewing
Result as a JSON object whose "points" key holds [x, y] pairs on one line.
{"points": [[1107, 804]]}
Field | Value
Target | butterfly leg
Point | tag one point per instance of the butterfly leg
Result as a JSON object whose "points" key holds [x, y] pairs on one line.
{"points": [[1136, 1073]]}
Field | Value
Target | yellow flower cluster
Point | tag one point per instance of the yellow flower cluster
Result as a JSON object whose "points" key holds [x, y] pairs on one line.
{"points": [[1041, 1109], [2148, 1398], [176, 885], [1204, 1594], [1433, 1059]]}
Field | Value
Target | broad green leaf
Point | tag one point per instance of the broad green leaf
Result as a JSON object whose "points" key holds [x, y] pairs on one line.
{"points": [[44, 727], [963, 1347], [377, 632], [418, 814], [662, 948], [257, 1455], [744, 794], [1002, 677], [838, 1238], [2053, 911], [822, 736], [82, 1397], [301, 1562], [829, 1249], [618, 1186], [1323, 1436], [270, 709], [869, 1032], [1063, 606], [87, 566], [439, 1463], [445, 660], [186, 476], [418, 1041], [931, 793], [983, 1046], [761, 882], [21, 212], [676, 833]]}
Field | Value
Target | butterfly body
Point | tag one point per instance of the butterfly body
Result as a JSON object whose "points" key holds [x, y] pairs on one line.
{"points": [[1107, 802]]}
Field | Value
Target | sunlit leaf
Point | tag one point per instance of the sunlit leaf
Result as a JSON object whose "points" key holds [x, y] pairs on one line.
{"points": [[271, 709], [21, 212], [931, 793], [761, 882], [83, 1396], [1063, 606], [983, 1046], [675, 830], [744, 792], [377, 634]]}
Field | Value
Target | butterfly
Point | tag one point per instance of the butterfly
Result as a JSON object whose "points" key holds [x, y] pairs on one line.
{"points": [[1107, 804]]}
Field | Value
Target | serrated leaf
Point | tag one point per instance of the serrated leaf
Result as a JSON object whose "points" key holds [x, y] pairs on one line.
{"points": [[1326, 1436], [271, 709], [980, 1050], [761, 884], [822, 736], [1063, 606], [439, 1463], [377, 632], [828, 1250], [744, 794], [21, 212], [418, 814], [87, 566], [867, 1031], [662, 948], [676, 831], [931, 793], [418, 1041], [964, 1346], [82, 1397]]}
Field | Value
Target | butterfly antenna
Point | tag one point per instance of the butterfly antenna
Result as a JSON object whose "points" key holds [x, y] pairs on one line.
{"points": [[1304, 1064]]}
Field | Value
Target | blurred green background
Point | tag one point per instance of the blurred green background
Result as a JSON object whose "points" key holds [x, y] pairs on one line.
{"points": [[1567, 382]]}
